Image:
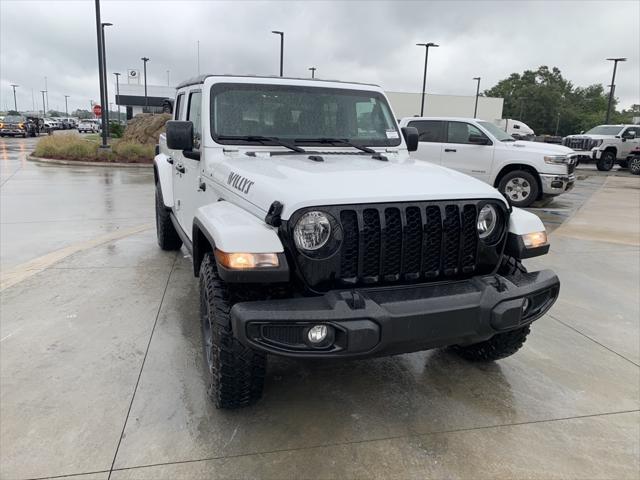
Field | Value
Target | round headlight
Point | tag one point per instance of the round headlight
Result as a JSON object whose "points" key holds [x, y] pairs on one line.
{"points": [[312, 231], [487, 221]]}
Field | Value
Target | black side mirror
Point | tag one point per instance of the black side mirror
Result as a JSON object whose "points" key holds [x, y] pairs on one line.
{"points": [[478, 139], [179, 135], [410, 135]]}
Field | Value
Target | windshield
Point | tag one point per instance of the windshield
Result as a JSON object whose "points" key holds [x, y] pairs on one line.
{"points": [[304, 115], [605, 130], [497, 132], [14, 119]]}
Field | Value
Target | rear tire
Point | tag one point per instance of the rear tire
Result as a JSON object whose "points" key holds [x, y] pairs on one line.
{"points": [[519, 187], [634, 165], [168, 238], [234, 373], [606, 161]]}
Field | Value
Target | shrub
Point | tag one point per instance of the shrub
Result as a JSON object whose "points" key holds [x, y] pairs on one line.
{"points": [[133, 152], [75, 147], [116, 129]]}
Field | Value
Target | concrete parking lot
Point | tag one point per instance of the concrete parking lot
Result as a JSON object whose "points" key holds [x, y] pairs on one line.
{"points": [[101, 370]]}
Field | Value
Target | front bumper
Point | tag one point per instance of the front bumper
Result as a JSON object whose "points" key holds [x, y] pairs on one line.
{"points": [[556, 184], [12, 131], [392, 320], [586, 155]]}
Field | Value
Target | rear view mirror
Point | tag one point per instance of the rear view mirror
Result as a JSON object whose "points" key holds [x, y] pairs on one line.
{"points": [[410, 135], [478, 139], [179, 135]]}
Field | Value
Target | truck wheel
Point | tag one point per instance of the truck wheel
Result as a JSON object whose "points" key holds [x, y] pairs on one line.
{"points": [[168, 238], [504, 344], [520, 187], [606, 161], [234, 373], [634, 165]]}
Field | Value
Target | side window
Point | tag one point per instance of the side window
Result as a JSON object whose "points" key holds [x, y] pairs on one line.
{"points": [[431, 131], [194, 115], [634, 129], [178, 110], [458, 132]]}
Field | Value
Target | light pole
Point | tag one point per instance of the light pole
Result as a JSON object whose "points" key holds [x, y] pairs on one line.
{"points": [[104, 72], [313, 72], [46, 92], [168, 84], [146, 98], [44, 113], [475, 109], [101, 74], [15, 103], [281, 49], [613, 84], [66, 105], [117, 74], [424, 78]]}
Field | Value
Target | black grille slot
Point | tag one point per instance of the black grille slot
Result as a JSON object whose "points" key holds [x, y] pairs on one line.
{"points": [[412, 243], [451, 240], [392, 244], [432, 242], [284, 334], [371, 245], [469, 239], [349, 263]]}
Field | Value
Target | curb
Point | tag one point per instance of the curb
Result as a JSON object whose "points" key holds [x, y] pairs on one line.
{"points": [[56, 161]]}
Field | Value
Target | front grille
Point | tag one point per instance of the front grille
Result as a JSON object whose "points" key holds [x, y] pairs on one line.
{"points": [[400, 243], [579, 143], [283, 334]]}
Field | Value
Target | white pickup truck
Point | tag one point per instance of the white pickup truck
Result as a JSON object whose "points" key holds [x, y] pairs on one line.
{"points": [[605, 144], [523, 171]]}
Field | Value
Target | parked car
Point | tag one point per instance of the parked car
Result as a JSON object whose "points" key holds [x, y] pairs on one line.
{"points": [[605, 144], [18, 126], [87, 126], [314, 235], [523, 171]]}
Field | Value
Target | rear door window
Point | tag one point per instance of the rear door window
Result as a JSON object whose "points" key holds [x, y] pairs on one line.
{"points": [[431, 131]]}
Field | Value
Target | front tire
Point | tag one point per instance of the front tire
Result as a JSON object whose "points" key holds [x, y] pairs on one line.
{"points": [[503, 344], [168, 238], [234, 373], [519, 187], [606, 161]]}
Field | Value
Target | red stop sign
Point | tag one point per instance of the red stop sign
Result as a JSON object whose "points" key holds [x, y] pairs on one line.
{"points": [[97, 110]]}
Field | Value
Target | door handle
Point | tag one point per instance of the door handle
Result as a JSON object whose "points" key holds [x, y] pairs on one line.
{"points": [[449, 149], [180, 168]]}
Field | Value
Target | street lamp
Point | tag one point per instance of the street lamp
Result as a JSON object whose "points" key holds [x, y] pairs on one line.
{"points": [[44, 113], [99, 33], [104, 72], [281, 49], [475, 109], [168, 84], [117, 74], [424, 78], [613, 84], [15, 103], [146, 99], [66, 105], [313, 72]]}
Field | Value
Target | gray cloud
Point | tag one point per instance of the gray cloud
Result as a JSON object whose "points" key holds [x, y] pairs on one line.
{"points": [[370, 41]]}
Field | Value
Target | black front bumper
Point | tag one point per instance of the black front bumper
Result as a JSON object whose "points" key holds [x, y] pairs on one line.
{"points": [[386, 321]]}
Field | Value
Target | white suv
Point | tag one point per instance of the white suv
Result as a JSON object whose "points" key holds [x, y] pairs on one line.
{"points": [[605, 144], [523, 171]]}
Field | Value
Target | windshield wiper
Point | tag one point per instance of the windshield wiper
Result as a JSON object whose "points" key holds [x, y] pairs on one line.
{"points": [[262, 140], [342, 141]]}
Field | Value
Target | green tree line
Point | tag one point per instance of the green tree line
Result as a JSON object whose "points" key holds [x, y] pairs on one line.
{"points": [[551, 104]]}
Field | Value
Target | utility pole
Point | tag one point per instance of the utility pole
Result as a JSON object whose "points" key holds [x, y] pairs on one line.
{"points": [[313, 72], [475, 109], [15, 103], [46, 91], [33, 101], [44, 113], [613, 85], [281, 50], [146, 98], [101, 75], [104, 72], [424, 78], [66, 106], [117, 74], [168, 84]]}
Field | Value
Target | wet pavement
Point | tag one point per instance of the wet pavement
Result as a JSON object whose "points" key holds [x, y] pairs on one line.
{"points": [[101, 370]]}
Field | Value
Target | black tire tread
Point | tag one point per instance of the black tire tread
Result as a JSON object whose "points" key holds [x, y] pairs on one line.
{"points": [[168, 238], [605, 165], [535, 188]]}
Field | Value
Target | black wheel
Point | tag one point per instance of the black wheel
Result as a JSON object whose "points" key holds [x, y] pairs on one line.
{"points": [[168, 238], [520, 187], [634, 165], [234, 373], [606, 161], [503, 344], [624, 163]]}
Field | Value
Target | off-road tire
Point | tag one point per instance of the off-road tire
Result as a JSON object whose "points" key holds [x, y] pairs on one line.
{"points": [[504, 344], [168, 238], [606, 161], [531, 182], [234, 373], [634, 165]]}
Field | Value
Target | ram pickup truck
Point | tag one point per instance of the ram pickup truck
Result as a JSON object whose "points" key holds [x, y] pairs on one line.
{"points": [[314, 234], [523, 171], [605, 144]]}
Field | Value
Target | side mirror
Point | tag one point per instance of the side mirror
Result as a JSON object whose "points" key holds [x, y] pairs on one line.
{"points": [[629, 135], [478, 139], [410, 135], [179, 135]]}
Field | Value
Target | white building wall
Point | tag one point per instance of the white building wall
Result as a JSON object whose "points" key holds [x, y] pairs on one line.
{"points": [[407, 104]]}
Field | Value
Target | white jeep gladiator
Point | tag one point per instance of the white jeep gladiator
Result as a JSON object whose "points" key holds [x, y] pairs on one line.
{"points": [[523, 171], [315, 235], [605, 144]]}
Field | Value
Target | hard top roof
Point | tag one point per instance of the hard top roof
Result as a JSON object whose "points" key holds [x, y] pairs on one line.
{"points": [[201, 78]]}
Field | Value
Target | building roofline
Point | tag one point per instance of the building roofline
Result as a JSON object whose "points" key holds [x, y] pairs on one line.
{"points": [[201, 78]]}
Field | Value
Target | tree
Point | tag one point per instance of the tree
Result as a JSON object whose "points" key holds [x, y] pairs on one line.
{"points": [[13, 112], [547, 102], [82, 114]]}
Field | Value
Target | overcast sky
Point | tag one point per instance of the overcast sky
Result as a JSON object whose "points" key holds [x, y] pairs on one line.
{"points": [[368, 41]]}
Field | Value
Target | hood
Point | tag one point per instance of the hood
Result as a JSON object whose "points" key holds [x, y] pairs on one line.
{"points": [[538, 147], [297, 182]]}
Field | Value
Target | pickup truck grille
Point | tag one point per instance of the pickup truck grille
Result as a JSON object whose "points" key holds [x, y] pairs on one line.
{"points": [[582, 143], [401, 243]]}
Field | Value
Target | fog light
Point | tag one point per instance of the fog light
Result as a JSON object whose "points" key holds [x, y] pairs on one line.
{"points": [[534, 239], [317, 334]]}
